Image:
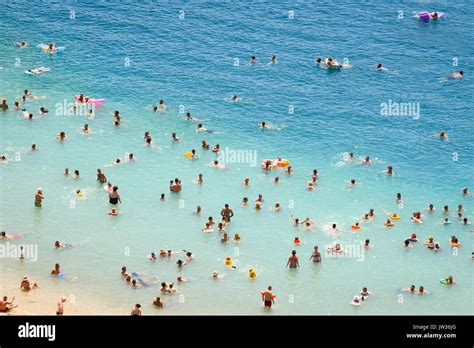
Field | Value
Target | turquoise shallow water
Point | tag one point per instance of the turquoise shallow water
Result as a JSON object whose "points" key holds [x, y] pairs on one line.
{"points": [[190, 63]]}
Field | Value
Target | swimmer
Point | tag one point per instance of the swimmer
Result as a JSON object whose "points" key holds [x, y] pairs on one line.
{"points": [[422, 291], [253, 59], [57, 270], [5, 236], [180, 263], [406, 244], [443, 136], [367, 161], [210, 221], [22, 44], [247, 182], [189, 256], [389, 223], [236, 237], [352, 183], [199, 179], [157, 302], [367, 244], [207, 228], [316, 255], [273, 60], [431, 208], [101, 176], [445, 221], [465, 221], [277, 207], [411, 289], [399, 198], [66, 172], [429, 243], [136, 311], [4, 105], [225, 238], [26, 114], [85, 129], [204, 145], [263, 125], [235, 98], [61, 136], [215, 275], [293, 260], [446, 210], [215, 164], [454, 242], [258, 205], [245, 201], [365, 292], [200, 128], [380, 67], [297, 241], [216, 149], [221, 227], [3, 159], [449, 280], [174, 137], [43, 111], [166, 253], [148, 142], [465, 192], [131, 158], [161, 106], [318, 61], [276, 180], [162, 197], [198, 210], [389, 171], [336, 249], [26, 284], [413, 238], [457, 75], [288, 170], [152, 257], [333, 228], [371, 214], [176, 185], [76, 174]]}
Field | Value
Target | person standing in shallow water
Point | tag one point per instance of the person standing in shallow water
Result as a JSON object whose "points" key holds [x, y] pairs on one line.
{"points": [[114, 197], [39, 196], [226, 213], [293, 260]]}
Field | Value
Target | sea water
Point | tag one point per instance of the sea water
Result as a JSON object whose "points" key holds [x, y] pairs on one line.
{"points": [[194, 56]]}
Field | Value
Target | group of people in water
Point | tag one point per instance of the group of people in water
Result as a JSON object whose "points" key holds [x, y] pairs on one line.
{"points": [[227, 214]]}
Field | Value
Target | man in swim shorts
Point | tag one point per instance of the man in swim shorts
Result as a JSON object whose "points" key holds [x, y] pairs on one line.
{"points": [[268, 297], [227, 213]]}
